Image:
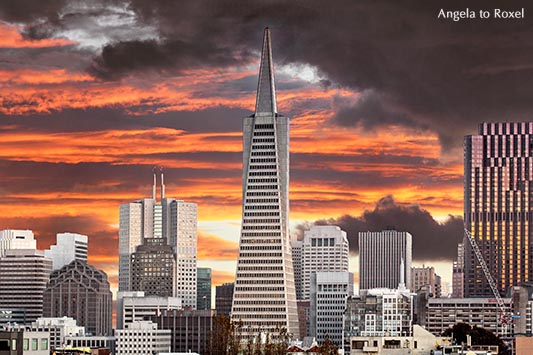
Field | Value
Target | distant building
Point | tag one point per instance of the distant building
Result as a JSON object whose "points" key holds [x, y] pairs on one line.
{"points": [[426, 277], [68, 247], [153, 268], [458, 273], [22, 341], [323, 248], [24, 274], [190, 330], [80, 291], [329, 291], [135, 306], [223, 298], [204, 288], [383, 258], [92, 341], [174, 221], [58, 328], [16, 239], [304, 315], [142, 338]]}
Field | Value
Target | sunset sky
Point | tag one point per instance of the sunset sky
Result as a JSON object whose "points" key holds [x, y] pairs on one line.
{"points": [[93, 94]]}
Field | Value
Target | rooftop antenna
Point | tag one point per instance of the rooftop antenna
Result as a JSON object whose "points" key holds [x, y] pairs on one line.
{"points": [[402, 274], [154, 185], [162, 184]]}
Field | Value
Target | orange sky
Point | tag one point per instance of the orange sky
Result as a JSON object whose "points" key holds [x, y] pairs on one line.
{"points": [[75, 147]]}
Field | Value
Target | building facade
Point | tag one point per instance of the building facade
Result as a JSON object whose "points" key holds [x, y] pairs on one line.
{"points": [[153, 268], [173, 220], [323, 248], [264, 298], [384, 258], [24, 274], [498, 177], [68, 247], [16, 239], [58, 328], [136, 306], [329, 291], [426, 277], [458, 274], [204, 288], [80, 291], [142, 338], [223, 298]]}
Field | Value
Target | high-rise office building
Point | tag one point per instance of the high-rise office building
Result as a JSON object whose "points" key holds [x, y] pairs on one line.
{"points": [[80, 291], [133, 306], [16, 239], [223, 298], [170, 219], [323, 248], [265, 297], [384, 259], [425, 277], [68, 247], [329, 291], [458, 274], [498, 177], [153, 268], [24, 274], [204, 288]]}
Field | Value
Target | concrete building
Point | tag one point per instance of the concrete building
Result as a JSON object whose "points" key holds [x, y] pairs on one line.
{"points": [[36, 342], [329, 291], [426, 277], [380, 312], [458, 274], [421, 342], [498, 178], [16, 239], [265, 297], [153, 268], [323, 248], [383, 257], [223, 298], [203, 283], [80, 291], [58, 329], [68, 247], [190, 330], [136, 306], [92, 341], [24, 274], [142, 338], [11, 342], [170, 219], [304, 317]]}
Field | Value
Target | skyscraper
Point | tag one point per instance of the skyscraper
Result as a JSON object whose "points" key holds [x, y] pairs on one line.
{"points": [[458, 275], [204, 288], [80, 291], [498, 177], [384, 259], [169, 219], [68, 247], [264, 297], [324, 248]]}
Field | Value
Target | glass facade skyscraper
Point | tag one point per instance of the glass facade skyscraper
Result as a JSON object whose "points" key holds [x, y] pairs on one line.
{"points": [[497, 195]]}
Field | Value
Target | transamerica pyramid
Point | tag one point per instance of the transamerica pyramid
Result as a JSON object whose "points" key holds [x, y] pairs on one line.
{"points": [[264, 298]]}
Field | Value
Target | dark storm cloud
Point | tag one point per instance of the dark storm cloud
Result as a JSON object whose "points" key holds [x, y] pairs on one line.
{"points": [[431, 240], [29, 10]]}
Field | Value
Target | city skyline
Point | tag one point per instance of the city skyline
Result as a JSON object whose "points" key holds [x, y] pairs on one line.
{"points": [[81, 134]]}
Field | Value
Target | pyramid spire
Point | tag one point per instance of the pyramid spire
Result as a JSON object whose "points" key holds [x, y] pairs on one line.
{"points": [[266, 92]]}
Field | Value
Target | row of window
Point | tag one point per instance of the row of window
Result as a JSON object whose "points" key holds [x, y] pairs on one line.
{"points": [[261, 214], [263, 140], [263, 187], [263, 167], [260, 241], [269, 247], [263, 160], [263, 133], [258, 154], [266, 220], [271, 180], [259, 200], [260, 227]]}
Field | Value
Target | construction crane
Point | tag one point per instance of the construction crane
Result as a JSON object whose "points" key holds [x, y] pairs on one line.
{"points": [[505, 316]]}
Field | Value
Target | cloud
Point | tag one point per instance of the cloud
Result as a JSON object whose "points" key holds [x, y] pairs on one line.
{"points": [[431, 240], [212, 247]]}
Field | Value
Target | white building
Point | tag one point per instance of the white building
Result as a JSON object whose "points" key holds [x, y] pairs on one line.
{"points": [[175, 221], [16, 239], [264, 296], [142, 338], [91, 341], [383, 257], [329, 291], [24, 274], [58, 328], [36, 342], [134, 306], [68, 247], [323, 248]]}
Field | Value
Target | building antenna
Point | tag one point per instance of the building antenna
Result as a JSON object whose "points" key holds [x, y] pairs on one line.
{"points": [[162, 184], [154, 185]]}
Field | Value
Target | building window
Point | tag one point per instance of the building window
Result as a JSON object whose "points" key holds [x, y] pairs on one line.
{"points": [[44, 344], [26, 344], [35, 344], [14, 344]]}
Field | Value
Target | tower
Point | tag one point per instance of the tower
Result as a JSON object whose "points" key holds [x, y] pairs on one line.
{"points": [[498, 177], [264, 298]]}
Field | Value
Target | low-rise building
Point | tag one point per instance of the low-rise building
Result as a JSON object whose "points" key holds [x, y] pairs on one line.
{"points": [[58, 328], [134, 306], [91, 341], [142, 338]]}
